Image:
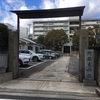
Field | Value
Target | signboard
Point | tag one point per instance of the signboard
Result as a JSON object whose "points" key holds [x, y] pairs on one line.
{"points": [[89, 65]]}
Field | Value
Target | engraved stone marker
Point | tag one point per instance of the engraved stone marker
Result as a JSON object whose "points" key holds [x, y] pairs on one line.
{"points": [[89, 65], [89, 68]]}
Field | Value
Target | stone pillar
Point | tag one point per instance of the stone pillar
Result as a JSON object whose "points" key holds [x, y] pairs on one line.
{"points": [[99, 71], [13, 59], [83, 44], [96, 62], [89, 68]]}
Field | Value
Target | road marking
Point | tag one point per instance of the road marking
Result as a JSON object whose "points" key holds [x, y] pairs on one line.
{"points": [[37, 64], [33, 65]]}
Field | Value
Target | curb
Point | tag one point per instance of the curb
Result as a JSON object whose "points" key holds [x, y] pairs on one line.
{"points": [[48, 95], [98, 91]]}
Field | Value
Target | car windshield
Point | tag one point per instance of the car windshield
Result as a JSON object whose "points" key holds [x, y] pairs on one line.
{"points": [[32, 52], [52, 51]]}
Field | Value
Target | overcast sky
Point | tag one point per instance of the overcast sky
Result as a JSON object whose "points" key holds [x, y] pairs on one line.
{"points": [[92, 8]]}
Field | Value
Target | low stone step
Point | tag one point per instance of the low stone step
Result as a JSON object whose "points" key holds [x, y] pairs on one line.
{"points": [[45, 92]]}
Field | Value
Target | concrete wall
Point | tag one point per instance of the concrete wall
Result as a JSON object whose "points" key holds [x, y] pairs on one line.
{"points": [[5, 77], [25, 46]]}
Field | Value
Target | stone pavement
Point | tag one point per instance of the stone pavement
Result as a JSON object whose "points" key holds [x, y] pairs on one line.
{"points": [[53, 81]]}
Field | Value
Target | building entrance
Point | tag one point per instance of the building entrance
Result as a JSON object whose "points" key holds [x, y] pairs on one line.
{"points": [[66, 49]]}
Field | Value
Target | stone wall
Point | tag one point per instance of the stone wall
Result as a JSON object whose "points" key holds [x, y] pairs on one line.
{"points": [[5, 77]]}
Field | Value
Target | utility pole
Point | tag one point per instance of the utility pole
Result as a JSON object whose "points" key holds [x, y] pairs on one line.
{"points": [[29, 29]]}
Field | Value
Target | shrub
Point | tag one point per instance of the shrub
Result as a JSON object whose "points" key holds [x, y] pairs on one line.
{"points": [[3, 37]]}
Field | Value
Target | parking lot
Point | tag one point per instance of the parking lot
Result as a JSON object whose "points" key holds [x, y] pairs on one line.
{"points": [[27, 56], [33, 64]]}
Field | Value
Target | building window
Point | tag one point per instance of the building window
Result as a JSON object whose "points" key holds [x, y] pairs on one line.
{"points": [[30, 48], [74, 23], [50, 23]]}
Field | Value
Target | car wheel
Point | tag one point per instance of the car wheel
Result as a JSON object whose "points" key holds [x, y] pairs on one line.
{"points": [[35, 59], [20, 63]]}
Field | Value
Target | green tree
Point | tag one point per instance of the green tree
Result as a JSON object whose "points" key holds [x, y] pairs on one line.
{"points": [[97, 31], [3, 37], [75, 40], [40, 39], [92, 39], [56, 38]]}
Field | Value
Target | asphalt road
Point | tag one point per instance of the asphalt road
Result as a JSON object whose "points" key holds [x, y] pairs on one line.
{"points": [[73, 68], [37, 68]]}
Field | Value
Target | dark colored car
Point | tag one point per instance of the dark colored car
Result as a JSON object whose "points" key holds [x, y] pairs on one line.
{"points": [[56, 53], [50, 54]]}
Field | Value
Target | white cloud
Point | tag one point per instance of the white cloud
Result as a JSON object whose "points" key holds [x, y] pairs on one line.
{"points": [[92, 9], [11, 18], [47, 4], [23, 8]]}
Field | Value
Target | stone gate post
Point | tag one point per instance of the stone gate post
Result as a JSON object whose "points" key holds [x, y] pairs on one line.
{"points": [[83, 44], [13, 65]]}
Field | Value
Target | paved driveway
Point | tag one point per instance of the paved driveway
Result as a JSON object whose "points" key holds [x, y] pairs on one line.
{"points": [[50, 80]]}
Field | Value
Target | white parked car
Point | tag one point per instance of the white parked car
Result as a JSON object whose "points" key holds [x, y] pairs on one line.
{"points": [[34, 56], [24, 59]]}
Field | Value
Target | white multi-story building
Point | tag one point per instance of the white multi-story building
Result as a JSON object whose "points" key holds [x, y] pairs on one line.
{"points": [[9, 26], [69, 26], [23, 32]]}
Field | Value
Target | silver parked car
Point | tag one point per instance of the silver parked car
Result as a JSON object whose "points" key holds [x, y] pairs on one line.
{"points": [[34, 56], [48, 53]]}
